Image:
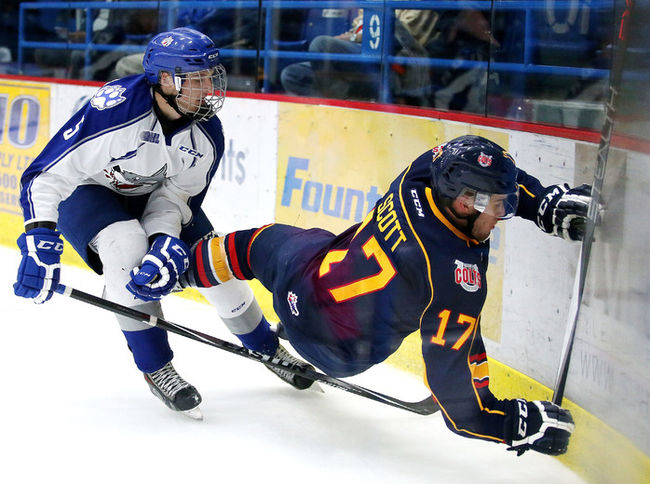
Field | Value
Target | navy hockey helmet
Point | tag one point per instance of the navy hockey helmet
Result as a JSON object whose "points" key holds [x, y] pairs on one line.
{"points": [[480, 170], [188, 54]]}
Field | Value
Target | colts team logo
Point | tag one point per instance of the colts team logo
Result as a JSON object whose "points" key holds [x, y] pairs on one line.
{"points": [[108, 97], [292, 299], [468, 276], [484, 160]]}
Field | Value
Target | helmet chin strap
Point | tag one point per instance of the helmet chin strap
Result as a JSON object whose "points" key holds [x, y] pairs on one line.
{"points": [[469, 228], [171, 100], [470, 219]]}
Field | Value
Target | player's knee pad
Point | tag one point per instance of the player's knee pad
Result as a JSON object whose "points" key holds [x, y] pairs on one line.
{"points": [[209, 264], [121, 247]]}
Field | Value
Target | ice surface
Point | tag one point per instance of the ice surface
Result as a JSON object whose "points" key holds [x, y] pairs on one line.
{"points": [[74, 407]]}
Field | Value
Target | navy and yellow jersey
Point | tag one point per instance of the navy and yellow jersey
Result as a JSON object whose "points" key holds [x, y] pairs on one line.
{"points": [[348, 301]]}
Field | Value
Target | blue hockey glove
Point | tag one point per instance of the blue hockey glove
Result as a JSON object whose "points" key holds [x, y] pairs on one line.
{"points": [[540, 426], [167, 259], [39, 270], [563, 211]]}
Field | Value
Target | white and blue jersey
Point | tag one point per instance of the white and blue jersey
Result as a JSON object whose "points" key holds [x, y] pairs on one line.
{"points": [[116, 141]]}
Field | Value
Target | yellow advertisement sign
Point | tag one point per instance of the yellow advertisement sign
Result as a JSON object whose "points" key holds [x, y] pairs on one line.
{"points": [[335, 163], [24, 131]]}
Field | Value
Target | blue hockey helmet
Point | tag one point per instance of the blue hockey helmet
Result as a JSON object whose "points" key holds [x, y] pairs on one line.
{"points": [[184, 52], [478, 169]]}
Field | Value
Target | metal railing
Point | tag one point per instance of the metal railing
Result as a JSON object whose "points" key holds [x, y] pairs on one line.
{"points": [[381, 55]]}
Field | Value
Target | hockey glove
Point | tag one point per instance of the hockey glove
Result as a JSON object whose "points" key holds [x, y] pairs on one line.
{"points": [[40, 268], [156, 277], [563, 211], [541, 426]]}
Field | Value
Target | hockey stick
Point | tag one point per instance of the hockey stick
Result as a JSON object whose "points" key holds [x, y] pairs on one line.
{"points": [[424, 407], [616, 75]]}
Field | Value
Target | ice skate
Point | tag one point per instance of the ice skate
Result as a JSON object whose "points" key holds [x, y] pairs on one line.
{"points": [[296, 381], [175, 392]]}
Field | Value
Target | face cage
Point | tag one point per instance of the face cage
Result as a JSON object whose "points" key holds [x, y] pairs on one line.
{"points": [[500, 205], [192, 98]]}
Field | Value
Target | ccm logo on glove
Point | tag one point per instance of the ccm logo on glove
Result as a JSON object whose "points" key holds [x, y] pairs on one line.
{"points": [[50, 245], [167, 259], [523, 415]]}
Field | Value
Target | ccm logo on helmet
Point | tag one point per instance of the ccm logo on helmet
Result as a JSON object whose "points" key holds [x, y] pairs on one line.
{"points": [[166, 41]]}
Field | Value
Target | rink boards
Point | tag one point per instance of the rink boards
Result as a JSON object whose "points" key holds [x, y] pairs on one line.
{"points": [[325, 165]]}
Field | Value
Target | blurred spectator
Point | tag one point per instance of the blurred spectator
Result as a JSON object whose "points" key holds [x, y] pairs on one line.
{"points": [[8, 31], [110, 26], [465, 35], [325, 78], [453, 35], [125, 27], [414, 29], [230, 28]]}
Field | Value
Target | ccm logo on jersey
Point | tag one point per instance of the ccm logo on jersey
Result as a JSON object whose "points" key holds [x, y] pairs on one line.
{"points": [[416, 202], [190, 151], [467, 275]]}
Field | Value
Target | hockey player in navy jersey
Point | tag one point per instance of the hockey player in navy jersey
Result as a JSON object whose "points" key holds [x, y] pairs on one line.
{"points": [[123, 181], [417, 261]]}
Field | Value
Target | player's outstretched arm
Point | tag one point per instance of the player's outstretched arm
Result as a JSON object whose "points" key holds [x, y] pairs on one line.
{"points": [[563, 211], [541, 426], [167, 259], [39, 271]]}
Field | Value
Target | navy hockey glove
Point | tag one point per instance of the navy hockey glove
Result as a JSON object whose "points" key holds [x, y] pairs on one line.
{"points": [[39, 270], [563, 211], [541, 426], [156, 277]]}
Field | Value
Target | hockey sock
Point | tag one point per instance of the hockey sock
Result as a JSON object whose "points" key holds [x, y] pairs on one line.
{"points": [[209, 265], [150, 348], [242, 315], [262, 339]]}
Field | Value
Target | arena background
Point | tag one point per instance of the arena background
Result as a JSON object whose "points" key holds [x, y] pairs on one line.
{"points": [[323, 164]]}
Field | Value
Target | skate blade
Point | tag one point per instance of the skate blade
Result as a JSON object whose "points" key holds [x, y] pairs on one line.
{"points": [[316, 387], [194, 413]]}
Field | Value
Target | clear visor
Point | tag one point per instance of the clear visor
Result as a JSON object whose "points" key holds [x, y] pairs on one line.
{"points": [[500, 205], [201, 94]]}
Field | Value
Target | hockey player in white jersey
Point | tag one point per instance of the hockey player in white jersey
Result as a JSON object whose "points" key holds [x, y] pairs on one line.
{"points": [[123, 181]]}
